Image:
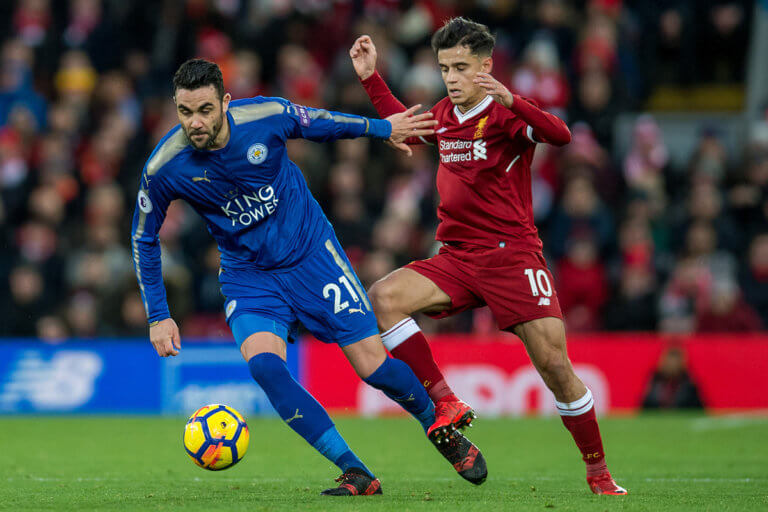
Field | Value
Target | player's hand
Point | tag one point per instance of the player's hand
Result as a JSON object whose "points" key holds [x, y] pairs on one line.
{"points": [[363, 54], [164, 336], [494, 88], [409, 124]]}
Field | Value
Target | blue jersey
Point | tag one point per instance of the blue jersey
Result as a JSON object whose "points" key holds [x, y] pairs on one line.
{"points": [[254, 200]]}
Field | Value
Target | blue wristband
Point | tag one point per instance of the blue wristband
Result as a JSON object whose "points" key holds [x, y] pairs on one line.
{"points": [[379, 128]]}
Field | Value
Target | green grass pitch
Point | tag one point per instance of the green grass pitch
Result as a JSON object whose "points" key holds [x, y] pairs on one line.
{"points": [[677, 462]]}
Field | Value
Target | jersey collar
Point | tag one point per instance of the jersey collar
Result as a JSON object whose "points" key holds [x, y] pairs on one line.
{"points": [[473, 111]]}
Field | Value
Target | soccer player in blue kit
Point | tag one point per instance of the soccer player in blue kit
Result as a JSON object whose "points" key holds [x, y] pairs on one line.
{"points": [[281, 263]]}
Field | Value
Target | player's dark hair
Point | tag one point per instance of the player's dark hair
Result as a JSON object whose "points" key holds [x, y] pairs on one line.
{"points": [[461, 31], [196, 73]]}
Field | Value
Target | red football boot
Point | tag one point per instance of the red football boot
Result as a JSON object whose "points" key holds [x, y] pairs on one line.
{"points": [[603, 483], [450, 414]]}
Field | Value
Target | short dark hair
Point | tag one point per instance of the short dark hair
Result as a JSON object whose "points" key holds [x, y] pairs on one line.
{"points": [[196, 73], [461, 31]]}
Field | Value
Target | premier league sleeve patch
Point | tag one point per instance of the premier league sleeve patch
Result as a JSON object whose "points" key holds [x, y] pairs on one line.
{"points": [[145, 204], [303, 114], [257, 153]]}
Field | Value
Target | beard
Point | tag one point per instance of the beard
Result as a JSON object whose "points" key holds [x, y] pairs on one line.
{"points": [[212, 134]]}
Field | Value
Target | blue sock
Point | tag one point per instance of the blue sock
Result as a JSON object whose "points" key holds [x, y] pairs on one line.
{"points": [[397, 381], [335, 449], [301, 411]]}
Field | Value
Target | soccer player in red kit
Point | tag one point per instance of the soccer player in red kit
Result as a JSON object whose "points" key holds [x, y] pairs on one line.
{"points": [[491, 253]]}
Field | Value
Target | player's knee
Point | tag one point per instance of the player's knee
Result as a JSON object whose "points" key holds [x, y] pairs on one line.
{"points": [[548, 331], [383, 295], [265, 367]]}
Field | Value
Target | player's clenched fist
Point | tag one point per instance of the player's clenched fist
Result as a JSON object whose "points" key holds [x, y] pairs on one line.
{"points": [[164, 336], [363, 54]]}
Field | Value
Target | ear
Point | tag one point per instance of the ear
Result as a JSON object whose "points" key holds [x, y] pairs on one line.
{"points": [[225, 102], [487, 65]]}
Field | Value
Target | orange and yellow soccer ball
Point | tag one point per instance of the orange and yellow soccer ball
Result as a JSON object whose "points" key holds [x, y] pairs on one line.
{"points": [[216, 437]]}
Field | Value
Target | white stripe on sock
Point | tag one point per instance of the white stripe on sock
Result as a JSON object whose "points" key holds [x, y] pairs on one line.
{"points": [[577, 407], [399, 332]]}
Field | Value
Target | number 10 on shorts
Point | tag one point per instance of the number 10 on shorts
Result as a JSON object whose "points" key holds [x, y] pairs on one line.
{"points": [[539, 282], [333, 289]]}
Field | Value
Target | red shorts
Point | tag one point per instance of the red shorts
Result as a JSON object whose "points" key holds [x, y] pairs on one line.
{"points": [[515, 284]]}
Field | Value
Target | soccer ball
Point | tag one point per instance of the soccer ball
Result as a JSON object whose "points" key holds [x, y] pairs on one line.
{"points": [[216, 437]]}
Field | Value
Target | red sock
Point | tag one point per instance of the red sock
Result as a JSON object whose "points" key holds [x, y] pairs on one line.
{"points": [[579, 418], [406, 342]]}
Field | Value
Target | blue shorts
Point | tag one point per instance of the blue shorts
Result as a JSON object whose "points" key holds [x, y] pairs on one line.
{"points": [[322, 292]]}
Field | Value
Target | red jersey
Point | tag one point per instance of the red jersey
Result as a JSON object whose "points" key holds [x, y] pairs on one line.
{"points": [[484, 176]]}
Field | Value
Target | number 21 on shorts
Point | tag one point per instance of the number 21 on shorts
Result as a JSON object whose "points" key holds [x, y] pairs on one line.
{"points": [[334, 289]]}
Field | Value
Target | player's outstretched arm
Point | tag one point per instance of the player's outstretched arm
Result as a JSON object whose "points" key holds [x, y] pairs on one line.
{"points": [[322, 125], [164, 335], [546, 127]]}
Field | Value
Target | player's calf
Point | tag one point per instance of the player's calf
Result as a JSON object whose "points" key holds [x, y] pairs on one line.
{"points": [[301, 412], [398, 382], [544, 340], [407, 343]]}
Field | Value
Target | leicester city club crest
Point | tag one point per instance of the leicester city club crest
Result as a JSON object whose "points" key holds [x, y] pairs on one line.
{"points": [[257, 153], [231, 305]]}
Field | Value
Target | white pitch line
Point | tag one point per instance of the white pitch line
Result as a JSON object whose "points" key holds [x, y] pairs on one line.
{"points": [[707, 480], [726, 423]]}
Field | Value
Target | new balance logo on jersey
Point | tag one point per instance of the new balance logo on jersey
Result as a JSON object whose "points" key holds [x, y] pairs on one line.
{"points": [[544, 301], [478, 150], [250, 208]]}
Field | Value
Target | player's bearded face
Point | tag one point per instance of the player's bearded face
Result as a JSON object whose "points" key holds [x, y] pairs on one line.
{"points": [[205, 137], [201, 113], [459, 65]]}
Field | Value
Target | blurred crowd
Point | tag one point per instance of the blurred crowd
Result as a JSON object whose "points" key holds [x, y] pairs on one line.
{"points": [[635, 242]]}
